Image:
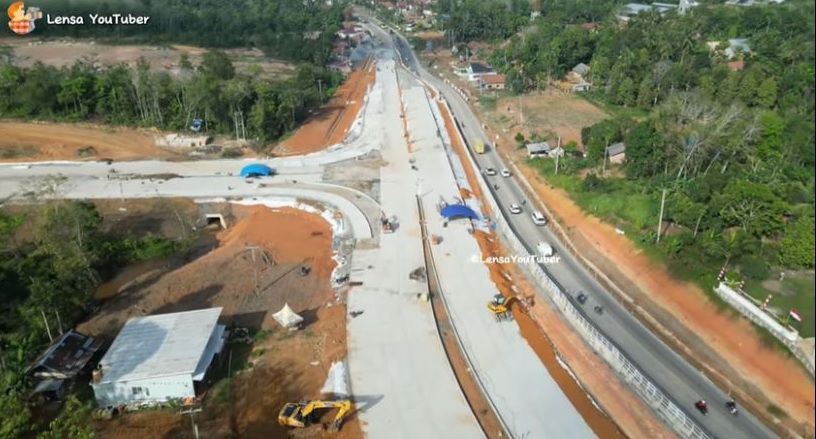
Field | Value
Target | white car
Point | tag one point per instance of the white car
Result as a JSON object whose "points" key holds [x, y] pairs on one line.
{"points": [[490, 171], [538, 218], [545, 249], [505, 173], [515, 209]]}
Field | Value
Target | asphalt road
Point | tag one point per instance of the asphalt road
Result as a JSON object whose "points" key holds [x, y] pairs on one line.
{"points": [[678, 379]]}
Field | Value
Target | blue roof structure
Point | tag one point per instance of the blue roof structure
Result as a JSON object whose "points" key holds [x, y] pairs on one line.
{"points": [[458, 210], [256, 169]]}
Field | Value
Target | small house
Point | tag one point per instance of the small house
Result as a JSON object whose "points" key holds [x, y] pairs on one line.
{"points": [[492, 82], [159, 358], [737, 46], [616, 152], [541, 149], [66, 358]]}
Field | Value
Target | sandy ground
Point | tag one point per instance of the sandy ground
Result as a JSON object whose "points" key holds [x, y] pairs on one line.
{"points": [[286, 366], [549, 336], [550, 114], [29, 141], [331, 123], [65, 53]]}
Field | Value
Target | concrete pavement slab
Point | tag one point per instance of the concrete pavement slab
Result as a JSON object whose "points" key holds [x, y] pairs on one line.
{"points": [[395, 356], [527, 398]]}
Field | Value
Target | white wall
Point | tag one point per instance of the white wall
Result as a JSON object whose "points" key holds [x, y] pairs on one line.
{"points": [[154, 390]]}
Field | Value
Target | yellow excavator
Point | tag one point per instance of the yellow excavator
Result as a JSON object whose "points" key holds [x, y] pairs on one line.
{"points": [[500, 307], [302, 414]]}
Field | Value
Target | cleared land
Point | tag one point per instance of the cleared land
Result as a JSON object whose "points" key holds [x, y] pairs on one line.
{"points": [[331, 123], [34, 141], [66, 52], [279, 366]]}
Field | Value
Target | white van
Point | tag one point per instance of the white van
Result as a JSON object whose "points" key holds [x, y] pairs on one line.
{"points": [[545, 250], [538, 218]]}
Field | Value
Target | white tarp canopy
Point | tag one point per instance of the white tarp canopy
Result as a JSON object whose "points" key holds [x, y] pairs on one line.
{"points": [[337, 382], [287, 318]]}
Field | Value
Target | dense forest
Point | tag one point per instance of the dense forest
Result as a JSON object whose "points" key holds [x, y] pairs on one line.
{"points": [[727, 140], [143, 97], [213, 91]]}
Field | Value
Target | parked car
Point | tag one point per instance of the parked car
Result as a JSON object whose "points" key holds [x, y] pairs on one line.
{"points": [[538, 218], [505, 173], [490, 171], [515, 208]]}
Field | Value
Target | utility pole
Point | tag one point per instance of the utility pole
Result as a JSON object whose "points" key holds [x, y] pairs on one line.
{"points": [[521, 112], [252, 249], [605, 154], [557, 155], [195, 426], [320, 89], [47, 328], [660, 222]]}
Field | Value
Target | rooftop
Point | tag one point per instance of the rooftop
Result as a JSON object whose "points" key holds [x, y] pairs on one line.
{"points": [[496, 78], [67, 355], [159, 345], [476, 67], [538, 148], [615, 149]]}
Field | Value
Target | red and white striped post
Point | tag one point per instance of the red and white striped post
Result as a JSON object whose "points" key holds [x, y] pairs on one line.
{"points": [[767, 301]]}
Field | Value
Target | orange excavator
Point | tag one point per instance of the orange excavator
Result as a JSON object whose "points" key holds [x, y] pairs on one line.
{"points": [[302, 414], [500, 307]]}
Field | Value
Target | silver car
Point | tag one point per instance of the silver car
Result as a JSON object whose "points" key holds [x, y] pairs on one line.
{"points": [[515, 209]]}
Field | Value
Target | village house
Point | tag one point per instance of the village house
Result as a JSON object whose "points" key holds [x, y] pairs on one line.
{"points": [[492, 82], [473, 71], [616, 153]]}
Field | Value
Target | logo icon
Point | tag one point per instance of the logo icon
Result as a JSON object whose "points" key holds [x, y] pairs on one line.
{"points": [[22, 21]]}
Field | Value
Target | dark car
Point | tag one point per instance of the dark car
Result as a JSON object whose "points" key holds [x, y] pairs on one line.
{"points": [[490, 171], [582, 298]]}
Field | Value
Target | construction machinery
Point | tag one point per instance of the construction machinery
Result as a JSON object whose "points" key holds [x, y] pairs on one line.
{"points": [[500, 307], [388, 224], [304, 413]]}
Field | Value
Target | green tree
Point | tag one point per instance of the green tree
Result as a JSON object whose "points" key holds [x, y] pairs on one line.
{"points": [[16, 419], [766, 93], [71, 423], [798, 242], [217, 64], [752, 206]]}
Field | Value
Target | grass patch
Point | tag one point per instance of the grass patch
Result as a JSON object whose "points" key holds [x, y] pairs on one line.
{"points": [[599, 100], [797, 291], [262, 335], [776, 411], [624, 204], [488, 102], [220, 391], [257, 353]]}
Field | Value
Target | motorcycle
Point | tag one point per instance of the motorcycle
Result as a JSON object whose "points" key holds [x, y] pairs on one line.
{"points": [[732, 407], [702, 406], [599, 309]]}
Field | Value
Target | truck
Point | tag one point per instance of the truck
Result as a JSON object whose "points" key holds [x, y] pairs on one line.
{"points": [[479, 147], [545, 250]]}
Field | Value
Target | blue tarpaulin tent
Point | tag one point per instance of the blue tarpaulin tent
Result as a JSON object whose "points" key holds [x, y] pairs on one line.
{"points": [[196, 125], [256, 169], [458, 210]]}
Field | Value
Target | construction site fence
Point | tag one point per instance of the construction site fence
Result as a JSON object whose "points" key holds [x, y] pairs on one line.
{"points": [[641, 384]]}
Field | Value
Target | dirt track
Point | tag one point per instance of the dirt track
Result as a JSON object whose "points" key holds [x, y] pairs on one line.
{"points": [[27, 141], [332, 122], [287, 366]]}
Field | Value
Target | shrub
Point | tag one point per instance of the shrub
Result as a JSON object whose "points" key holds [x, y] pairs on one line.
{"points": [[755, 268]]}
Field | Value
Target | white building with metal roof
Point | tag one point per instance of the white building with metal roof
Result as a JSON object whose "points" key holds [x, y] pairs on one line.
{"points": [[159, 358]]}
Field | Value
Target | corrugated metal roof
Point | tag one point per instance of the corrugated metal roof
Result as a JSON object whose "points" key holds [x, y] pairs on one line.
{"points": [[615, 149], [537, 148], [159, 345]]}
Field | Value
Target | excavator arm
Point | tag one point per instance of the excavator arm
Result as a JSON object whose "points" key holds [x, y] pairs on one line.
{"points": [[305, 414]]}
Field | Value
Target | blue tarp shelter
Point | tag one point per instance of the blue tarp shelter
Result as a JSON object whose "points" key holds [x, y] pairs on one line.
{"points": [[457, 211], [196, 125], [256, 169]]}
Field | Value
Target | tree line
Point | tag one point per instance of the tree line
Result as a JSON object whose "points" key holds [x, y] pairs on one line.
{"points": [[730, 146], [294, 30], [139, 96]]}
